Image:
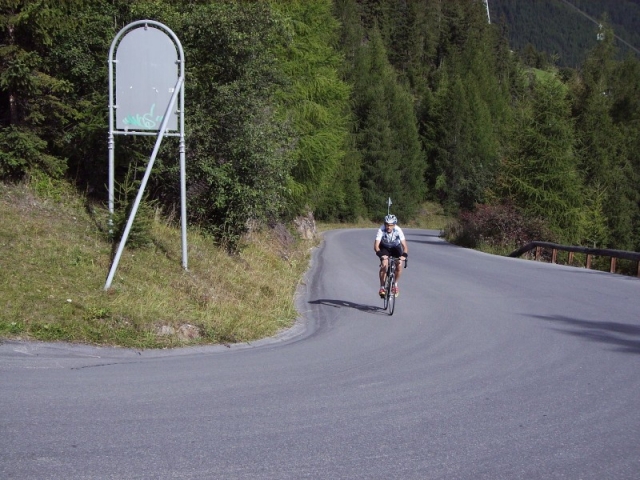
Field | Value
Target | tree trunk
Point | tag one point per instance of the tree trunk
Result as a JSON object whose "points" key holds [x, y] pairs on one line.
{"points": [[13, 102]]}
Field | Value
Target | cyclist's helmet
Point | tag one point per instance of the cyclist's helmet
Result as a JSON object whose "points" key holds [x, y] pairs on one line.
{"points": [[390, 219]]}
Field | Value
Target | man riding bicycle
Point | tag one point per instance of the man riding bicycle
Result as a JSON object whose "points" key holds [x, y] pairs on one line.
{"points": [[390, 242]]}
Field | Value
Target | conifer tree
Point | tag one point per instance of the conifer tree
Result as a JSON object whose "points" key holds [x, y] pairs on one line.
{"points": [[626, 116], [601, 145], [33, 106], [387, 135], [539, 172], [462, 120], [315, 101]]}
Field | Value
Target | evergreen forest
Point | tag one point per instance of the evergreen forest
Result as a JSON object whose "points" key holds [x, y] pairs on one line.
{"points": [[563, 31], [331, 107]]}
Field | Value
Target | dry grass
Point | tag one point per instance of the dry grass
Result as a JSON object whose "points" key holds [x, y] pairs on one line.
{"points": [[54, 262], [430, 216]]}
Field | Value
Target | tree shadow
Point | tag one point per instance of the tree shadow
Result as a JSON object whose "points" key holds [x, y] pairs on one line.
{"points": [[623, 336], [431, 240], [345, 304], [434, 234]]}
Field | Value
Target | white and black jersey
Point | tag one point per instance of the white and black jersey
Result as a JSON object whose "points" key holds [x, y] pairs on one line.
{"points": [[390, 239]]}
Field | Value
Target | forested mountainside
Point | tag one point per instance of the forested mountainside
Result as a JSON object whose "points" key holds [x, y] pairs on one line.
{"points": [[567, 29], [332, 107]]}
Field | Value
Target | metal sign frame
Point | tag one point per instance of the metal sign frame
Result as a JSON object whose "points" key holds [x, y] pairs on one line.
{"points": [[177, 96]]}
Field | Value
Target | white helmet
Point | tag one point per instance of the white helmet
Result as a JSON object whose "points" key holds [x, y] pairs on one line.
{"points": [[390, 219]]}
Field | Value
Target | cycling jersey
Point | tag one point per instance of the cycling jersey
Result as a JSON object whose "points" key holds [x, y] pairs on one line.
{"points": [[392, 239]]}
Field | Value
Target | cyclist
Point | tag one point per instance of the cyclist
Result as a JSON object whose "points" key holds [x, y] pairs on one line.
{"points": [[390, 241]]}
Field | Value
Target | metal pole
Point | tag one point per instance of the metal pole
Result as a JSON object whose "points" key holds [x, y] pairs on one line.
{"points": [[111, 142], [183, 170], [183, 191], [111, 181]]}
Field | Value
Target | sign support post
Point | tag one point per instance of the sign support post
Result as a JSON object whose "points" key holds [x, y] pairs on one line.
{"points": [[150, 74]]}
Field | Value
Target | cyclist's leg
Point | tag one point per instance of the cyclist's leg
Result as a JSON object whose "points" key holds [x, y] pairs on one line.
{"points": [[382, 274], [383, 269], [396, 252], [396, 289]]}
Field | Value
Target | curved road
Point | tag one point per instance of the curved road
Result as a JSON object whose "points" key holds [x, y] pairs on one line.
{"points": [[490, 368]]}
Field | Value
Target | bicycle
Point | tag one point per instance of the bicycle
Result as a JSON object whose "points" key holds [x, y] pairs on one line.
{"points": [[389, 298]]}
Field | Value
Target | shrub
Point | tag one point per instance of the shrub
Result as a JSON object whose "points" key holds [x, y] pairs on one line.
{"points": [[496, 226]]}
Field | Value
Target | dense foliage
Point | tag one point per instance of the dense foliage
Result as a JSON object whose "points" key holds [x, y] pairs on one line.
{"points": [[333, 106]]}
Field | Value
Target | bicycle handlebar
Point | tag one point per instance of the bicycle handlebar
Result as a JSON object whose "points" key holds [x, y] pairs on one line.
{"points": [[398, 258], [406, 259]]}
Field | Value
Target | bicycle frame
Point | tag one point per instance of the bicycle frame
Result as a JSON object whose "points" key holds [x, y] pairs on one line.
{"points": [[389, 298]]}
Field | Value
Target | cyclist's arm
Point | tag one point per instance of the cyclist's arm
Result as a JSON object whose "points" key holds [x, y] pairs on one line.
{"points": [[376, 246], [405, 249]]}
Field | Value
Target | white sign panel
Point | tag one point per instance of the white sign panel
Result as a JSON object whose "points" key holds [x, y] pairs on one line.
{"points": [[147, 71]]}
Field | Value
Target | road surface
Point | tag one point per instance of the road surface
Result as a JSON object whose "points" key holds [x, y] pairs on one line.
{"points": [[490, 368]]}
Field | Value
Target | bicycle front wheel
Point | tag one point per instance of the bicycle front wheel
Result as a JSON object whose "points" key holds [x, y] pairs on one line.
{"points": [[387, 287], [391, 296]]}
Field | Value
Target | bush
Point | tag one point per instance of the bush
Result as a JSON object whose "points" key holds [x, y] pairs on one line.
{"points": [[496, 226]]}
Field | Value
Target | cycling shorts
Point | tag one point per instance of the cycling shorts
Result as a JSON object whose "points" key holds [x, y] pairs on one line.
{"points": [[390, 251]]}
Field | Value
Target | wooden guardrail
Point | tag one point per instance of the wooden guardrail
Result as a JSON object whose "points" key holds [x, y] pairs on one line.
{"points": [[589, 252]]}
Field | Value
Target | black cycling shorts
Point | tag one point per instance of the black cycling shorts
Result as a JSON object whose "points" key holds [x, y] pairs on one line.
{"points": [[390, 251]]}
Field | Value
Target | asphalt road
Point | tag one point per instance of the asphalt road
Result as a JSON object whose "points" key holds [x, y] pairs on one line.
{"points": [[490, 368]]}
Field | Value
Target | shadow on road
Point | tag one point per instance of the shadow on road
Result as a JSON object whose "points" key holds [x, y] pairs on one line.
{"points": [[436, 241], [428, 239], [346, 304], [622, 335], [413, 234]]}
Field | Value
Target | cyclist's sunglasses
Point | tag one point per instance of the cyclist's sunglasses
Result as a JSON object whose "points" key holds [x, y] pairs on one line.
{"points": [[389, 225]]}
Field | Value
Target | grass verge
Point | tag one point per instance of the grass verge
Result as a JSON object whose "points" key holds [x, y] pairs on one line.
{"points": [[54, 261]]}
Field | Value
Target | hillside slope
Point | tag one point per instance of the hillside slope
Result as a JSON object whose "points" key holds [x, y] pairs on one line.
{"points": [[567, 28], [54, 259]]}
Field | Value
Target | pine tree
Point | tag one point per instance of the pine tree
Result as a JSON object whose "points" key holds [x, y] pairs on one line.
{"points": [[33, 105], [316, 103], [601, 145], [626, 116], [539, 173], [463, 118], [387, 136]]}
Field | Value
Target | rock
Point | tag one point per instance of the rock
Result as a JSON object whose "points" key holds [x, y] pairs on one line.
{"points": [[306, 226], [188, 332], [166, 330]]}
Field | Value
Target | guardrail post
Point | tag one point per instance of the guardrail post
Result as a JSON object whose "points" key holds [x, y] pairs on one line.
{"points": [[590, 253]]}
